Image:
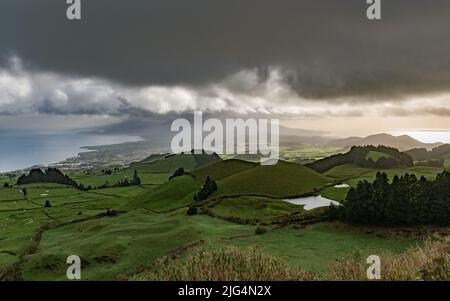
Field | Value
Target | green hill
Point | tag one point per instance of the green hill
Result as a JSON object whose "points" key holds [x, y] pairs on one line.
{"points": [[378, 157], [173, 194], [281, 180], [223, 169], [170, 163], [347, 171], [154, 157]]}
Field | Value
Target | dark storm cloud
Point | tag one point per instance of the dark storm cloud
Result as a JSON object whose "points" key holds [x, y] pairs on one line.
{"points": [[326, 48]]}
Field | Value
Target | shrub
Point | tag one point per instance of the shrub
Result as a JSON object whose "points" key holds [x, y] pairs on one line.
{"points": [[430, 262], [225, 264], [110, 212], [192, 211], [260, 230], [207, 189], [179, 172]]}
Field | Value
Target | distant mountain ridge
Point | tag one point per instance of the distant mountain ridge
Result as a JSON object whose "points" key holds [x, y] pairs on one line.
{"points": [[402, 143]]}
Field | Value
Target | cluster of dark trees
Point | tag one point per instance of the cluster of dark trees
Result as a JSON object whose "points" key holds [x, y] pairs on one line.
{"points": [[178, 173], [358, 156], [50, 175], [107, 171], [135, 181], [207, 189], [405, 201], [53, 175], [205, 158]]}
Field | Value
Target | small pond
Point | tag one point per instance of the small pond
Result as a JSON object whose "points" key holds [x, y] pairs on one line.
{"points": [[342, 186], [312, 202]]}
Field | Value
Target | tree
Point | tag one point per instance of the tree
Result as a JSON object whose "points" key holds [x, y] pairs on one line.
{"points": [[136, 179], [406, 201], [51, 175], [207, 189], [179, 172], [6, 185], [192, 211], [25, 193]]}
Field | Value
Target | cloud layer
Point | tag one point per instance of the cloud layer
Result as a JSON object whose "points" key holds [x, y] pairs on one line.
{"points": [[28, 92], [324, 50]]}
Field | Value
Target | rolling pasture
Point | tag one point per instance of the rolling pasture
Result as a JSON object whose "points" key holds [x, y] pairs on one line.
{"points": [[278, 181], [150, 221]]}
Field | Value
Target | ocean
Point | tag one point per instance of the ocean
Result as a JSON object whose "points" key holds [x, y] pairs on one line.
{"points": [[21, 150]]}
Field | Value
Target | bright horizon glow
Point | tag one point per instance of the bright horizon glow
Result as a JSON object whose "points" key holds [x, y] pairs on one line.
{"points": [[426, 136]]}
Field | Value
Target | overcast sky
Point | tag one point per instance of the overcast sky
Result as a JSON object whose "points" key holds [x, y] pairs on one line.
{"points": [[317, 64]]}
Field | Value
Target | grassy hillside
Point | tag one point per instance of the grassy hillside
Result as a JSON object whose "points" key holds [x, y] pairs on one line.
{"points": [[346, 171], [252, 210], [122, 245], [98, 178], [222, 169], [315, 247], [175, 193], [281, 180], [375, 156], [154, 173], [21, 220], [167, 165], [170, 163]]}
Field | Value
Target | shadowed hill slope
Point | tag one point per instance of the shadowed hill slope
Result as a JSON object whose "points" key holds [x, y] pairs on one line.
{"points": [[170, 163], [223, 169], [281, 180]]}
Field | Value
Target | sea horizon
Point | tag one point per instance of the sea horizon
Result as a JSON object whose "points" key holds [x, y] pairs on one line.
{"points": [[24, 150]]}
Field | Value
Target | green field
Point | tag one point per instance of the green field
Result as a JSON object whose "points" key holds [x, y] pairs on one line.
{"points": [[253, 209], [151, 220], [171, 195], [346, 171], [375, 156], [317, 246], [307, 152], [168, 165], [96, 179], [447, 163]]}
